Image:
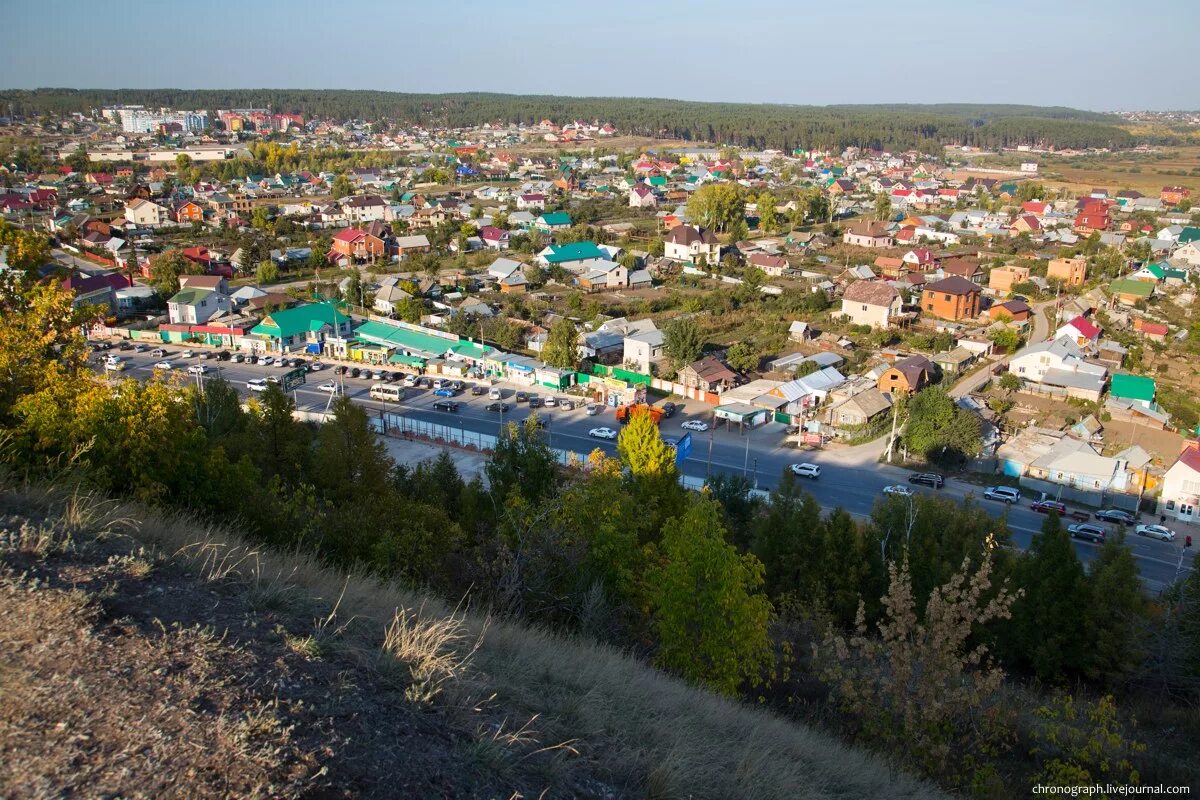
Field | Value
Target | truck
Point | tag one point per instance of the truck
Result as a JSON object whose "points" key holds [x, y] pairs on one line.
{"points": [[626, 412]]}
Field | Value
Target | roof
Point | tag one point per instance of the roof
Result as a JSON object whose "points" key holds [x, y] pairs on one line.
{"points": [[686, 235], [291, 321], [1133, 387], [1127, 286], [415, 342], [953, 285], [875, 293], [575, 251], [556, 218], [912, 368], [1086, 329], [870, 228], [711, 370], [189, 296]]}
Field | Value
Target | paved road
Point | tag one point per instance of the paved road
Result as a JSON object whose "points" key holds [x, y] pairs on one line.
{"points": [[1039, 332], [851, 477]]}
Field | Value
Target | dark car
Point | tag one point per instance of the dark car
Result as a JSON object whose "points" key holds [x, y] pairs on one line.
{"points": [[397, 376], [425, 383], [1046, 506], [124, 346], [223, 355], [521, 397], [238, 358], [1116, 515], [536, 402], [501, 407], [1093, 533], [340, 369], [446, 405], [478, 390], [355, 372], [928, 479], [669, 409]]}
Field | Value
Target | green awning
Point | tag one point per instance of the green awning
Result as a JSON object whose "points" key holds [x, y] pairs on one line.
{"points": [[408, 361]]}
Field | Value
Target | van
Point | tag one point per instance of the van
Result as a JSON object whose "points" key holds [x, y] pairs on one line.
{"points": [[1005, 494], [390, 394]]}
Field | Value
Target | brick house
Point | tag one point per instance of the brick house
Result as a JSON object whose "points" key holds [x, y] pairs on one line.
{"points": [[355, 243], [906, 376], [1071, 271], [952, 298]]}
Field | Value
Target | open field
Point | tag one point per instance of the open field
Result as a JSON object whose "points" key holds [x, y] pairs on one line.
{"points": [[1145, 172]]}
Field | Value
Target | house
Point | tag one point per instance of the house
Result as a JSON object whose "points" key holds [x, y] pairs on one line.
{"points": [[550, 223], [1174, 195], [195, 306], [146, 214], [642, 349], [390, 296], [527, 202], [189, 211], [906, 376], [919, 259], [953, 362], [355, 244], [493, 237], [1081, 331], [1059, 367], [967, 269], [799, 331], [402, 246], [1189, 254], [952, 298], [642, 196], [1070, 271], [867, 233], [890, 266], [365, 208], [708, 375], [1130, 292], [873, 303], [773, 266], [1002, 279], [1154, 331], [309, 328], [1013, 310], [571, 255], [1180, 496], [1026, 223], [804, 394], [688, 243], [1133, 388], [859, 409]]}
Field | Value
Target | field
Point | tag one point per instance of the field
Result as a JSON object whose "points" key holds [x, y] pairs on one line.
{"points": [[1147, 172]]}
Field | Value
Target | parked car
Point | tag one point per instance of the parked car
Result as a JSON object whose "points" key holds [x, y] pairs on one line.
{"points": [[445, 405], [593, 409], [397, 377], [501, 407], [410, 381], [1046, 506], [1087, 530], [257, 384], [1003, 494], [139, 348], [163, 365], [266, 361], [1155, 532], [550, 402], [478, 390], [187, 354], [223, 355], [669, 409], [124, 346], [205, 355], [495, 394], [438, 383], [931, 479], [158, 352], [341, 369], [457, 386], [115, 363], [425, 383], [899, 490], [521, 397], [445, 391], [565, 404], [810, 471], [355, 372], [198, 369], [1116, 515], [602, 433], [695, 425], [535, 402], [237, 358], [332, 387], [315, 366]]}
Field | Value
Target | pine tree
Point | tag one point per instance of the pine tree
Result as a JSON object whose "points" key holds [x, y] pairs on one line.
{"points": [[1116, 612]]}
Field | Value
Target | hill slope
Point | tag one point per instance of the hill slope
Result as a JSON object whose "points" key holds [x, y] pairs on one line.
{"points": [[153, 656]]}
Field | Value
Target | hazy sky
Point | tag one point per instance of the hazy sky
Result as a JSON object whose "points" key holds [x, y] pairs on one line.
{"points": [[1100, 54]]}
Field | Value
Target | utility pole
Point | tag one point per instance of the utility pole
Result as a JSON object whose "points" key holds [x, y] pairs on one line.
{"points": [[892, 438]]}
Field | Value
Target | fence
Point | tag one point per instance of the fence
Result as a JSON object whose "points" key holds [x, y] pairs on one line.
{"points": [[400, 425], [1097, 498]]}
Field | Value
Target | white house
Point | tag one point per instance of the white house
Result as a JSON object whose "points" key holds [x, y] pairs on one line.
{"points": [[1180, 496], [688, 243], [1189, 254], [146, 214], [643, 348], [642, 196], [1059, 367], [873, 303], [195, 306]]}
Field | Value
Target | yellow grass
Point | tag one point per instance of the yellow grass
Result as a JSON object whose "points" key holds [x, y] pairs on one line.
{"points": [[652, 735]]}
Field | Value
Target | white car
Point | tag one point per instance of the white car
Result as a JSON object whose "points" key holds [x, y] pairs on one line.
{"points": [[593, 409], [266, 361], [198, 369], [329, 386], [164, 365], [495, 394], [900, 490], [410, 381], [810, 471], [602, 433], [1155, 532], [695, 425], [257, 384], [186, 354]]}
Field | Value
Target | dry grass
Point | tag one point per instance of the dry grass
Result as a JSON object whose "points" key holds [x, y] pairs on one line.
{"points": [[539, 698]]}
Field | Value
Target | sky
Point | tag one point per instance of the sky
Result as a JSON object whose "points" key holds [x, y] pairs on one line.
{"points": [[1097, 55]]}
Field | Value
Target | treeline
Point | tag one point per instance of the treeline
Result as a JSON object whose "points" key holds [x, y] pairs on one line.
{"points": [[749, 125]]}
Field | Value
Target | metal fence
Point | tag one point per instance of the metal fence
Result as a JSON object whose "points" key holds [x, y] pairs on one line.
{"points": [[434, 432], [1096, 498]]}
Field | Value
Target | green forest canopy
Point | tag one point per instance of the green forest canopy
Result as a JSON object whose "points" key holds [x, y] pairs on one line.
{"points": [[749, 125]]}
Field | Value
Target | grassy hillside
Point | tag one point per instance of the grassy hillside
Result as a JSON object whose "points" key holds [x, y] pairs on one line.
{"points": [[157, 655]]}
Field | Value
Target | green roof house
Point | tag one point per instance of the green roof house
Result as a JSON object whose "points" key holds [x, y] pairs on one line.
{"points": [[567, 253], [303, 327], [557, 220], [1189, 234], [1129, 291], [1135, 388]]}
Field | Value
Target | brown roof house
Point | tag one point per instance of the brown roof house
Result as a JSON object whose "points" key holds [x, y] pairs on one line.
{"points": [[964, 268], [952, 298], [709, 375], [867, 233], [687, 243], [872, 303], [906, 376]]}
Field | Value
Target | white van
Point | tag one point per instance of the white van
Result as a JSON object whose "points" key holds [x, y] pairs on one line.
{"points": [[390, 394]]}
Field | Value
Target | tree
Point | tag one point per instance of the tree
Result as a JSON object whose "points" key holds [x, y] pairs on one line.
{"points": [[1006, 339], [938, 429], [743, 357], [717, 206], [708, 610], [28, 251], [768, 217], [642, 449], [883, 206], [738, 230], [260, 219], [266, 272], [562, 345], [682, 342], [1115, 613], [166, 269], [521, 464], [1009, 382], [341, 187], [79, 160]]}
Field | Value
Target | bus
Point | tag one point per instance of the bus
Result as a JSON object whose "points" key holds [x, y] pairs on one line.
{"points": [[390, 394]]}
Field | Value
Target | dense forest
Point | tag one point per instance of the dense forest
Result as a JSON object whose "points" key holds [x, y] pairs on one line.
{"points": [[756, 126]]}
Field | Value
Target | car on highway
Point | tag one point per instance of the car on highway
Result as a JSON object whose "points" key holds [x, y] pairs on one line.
{"points": [[931, 479], [695, 425], [1155, 532], [446, 405], [501, 407], [602, 433], [315, 366], [187, 354], [1046, 506], [158, 352], [475, 390], [593, 409], [115, 363], [445, 391], [198, 369], [257, 384], [900, 490], [1003, 494], [331, 387], [164, 364], [810, 471], [1086, 530], [139, 348], [1116, 515]]}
